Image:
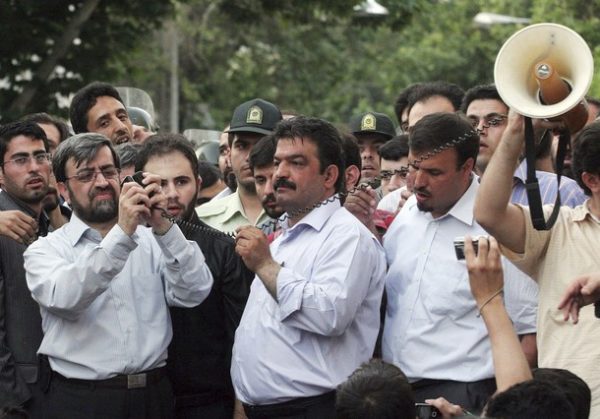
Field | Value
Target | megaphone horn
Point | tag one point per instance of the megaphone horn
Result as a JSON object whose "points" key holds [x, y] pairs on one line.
{"points": [[545, 71]]}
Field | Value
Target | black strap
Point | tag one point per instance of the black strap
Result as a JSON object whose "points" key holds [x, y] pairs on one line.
{"points": [[531, 184]]}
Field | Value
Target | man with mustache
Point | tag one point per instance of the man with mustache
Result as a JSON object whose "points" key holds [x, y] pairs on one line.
{"points": [[313, 312], [429, 304], [251, 121], [24, 172], [200, 352], [104, 282], [98, 107]]}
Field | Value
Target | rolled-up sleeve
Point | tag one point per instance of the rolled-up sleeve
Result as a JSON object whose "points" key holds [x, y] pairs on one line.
{"points": [[186, 275], [326, 301]]}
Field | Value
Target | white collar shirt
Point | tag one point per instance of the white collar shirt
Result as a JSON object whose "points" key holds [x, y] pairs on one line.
{"points": [[325, 320], [431, 327], [104, 300]]}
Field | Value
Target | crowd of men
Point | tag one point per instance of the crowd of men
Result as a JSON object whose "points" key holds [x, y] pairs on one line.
{"points": [[321, 271]]}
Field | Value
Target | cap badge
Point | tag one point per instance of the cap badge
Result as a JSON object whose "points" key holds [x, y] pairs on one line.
{"points": [[368, 122], [254, 116]]}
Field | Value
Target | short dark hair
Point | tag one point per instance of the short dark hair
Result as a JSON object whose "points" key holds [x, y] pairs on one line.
{"points": [[531, 399], [165, 143], [128, 153], [586, 156], [376, 390], [209, 173], [395, 149], [323, 134], [480, 92], [443, 130], [16, 128], [44, 118], [351, 150], [594, 101], [453, 92], [81, 147], [576, 390], [262, 152], [402, 101], [85, 99]]}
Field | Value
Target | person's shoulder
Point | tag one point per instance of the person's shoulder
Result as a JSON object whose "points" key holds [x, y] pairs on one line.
{"points": [[216, 207]]}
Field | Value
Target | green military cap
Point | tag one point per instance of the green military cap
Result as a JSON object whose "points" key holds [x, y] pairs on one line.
{"points": [[256, 115], [372, 123]]}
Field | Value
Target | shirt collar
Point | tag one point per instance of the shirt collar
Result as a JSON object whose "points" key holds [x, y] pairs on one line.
{"points": [[317, 217], [580, 212], [234, 206], [521, 172], [463, 208], [75, 229]]}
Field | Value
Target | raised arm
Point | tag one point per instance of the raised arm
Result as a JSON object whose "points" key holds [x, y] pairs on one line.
{"points": [[486, 280], [493, 209]]}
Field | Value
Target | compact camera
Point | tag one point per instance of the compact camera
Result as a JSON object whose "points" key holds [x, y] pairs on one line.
{"points": [[427, 411], [459, 246]]}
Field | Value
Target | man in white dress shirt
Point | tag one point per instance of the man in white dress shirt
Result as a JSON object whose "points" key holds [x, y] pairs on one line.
{"points": [[103, 282], [313, 313], [432, 331]]}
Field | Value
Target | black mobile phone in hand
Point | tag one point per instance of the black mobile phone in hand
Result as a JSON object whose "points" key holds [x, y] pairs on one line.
{"points": [[427, 411], [136, 177]]}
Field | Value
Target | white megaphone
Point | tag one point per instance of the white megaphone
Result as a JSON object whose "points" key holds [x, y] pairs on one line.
{"points": [[544, 71]]}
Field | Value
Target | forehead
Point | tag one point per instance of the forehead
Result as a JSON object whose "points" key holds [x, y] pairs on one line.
{"points": [[102, 158], [52, 132], [483, 107], [393, 164], [105, 105], [224, 139], [23, 144], [295, 146], [428, 106], [266, 171], [445, 159], [247, 137], [170, 165]]}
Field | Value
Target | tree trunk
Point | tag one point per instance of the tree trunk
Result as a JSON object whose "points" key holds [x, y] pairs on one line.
{"points": [[61, 47]]}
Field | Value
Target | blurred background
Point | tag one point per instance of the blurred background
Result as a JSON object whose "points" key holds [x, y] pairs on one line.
{"points": [[199, 59]]}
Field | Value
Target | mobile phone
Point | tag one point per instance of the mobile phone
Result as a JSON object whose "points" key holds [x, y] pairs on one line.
{"points": [[136, 177], [427, 411], [459, 246]]}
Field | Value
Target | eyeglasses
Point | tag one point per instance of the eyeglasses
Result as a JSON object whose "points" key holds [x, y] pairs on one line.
{"points": [[22, 161], [86, 176], [492, 120], [387, 174]]}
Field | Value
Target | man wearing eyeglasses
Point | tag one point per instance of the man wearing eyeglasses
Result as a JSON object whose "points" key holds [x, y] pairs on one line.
{"points": [[24, 173], [104, 283]]}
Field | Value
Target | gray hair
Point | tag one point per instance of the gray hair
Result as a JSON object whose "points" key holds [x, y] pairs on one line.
{"points": [[128, 153], [81, 147]]}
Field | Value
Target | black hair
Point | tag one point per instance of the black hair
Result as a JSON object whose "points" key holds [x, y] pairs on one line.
{"points": [[262, 152], [14, 129], [531, 399], [351, 150], [128, 153], [376, 390], [595, 102], [439, 129], [480, 92], [164, 143], [44, 118], [395, 149], [577, 391], [81, 147], [85, 99], [424, 91], [402, 101], [323, 134], [209, 173], [586, 155]]}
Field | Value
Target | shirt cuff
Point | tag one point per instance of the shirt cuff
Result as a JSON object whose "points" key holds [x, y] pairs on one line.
{"points": [[118, 244], [290, 292], [173, 242]]}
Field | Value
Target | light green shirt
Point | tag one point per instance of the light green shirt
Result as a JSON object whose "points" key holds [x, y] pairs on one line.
{"points": [[226, 214]]}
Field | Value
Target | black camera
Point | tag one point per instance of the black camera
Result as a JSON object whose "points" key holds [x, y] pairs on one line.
{"points": [[459, 246], [427, 411]]}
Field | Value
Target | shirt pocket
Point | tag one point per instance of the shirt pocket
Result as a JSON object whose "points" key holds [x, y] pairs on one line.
{"points": [[447, 293]]}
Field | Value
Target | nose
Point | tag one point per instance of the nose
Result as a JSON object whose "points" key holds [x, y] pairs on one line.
{"points": [[281, 171], [169, 190], [481, 127], [100, 180]]}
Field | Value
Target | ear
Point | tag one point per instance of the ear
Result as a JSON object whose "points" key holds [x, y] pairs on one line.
{"points": [[468, 166], [198, 185], [64, 191], [1, 175], [331, 176], [352, 177], [592, 181]]}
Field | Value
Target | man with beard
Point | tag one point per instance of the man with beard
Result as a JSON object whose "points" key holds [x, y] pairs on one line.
{"points": [[251, 121], [24, 172], [313, 312], [104, 283], [98, 107], [200, 352], [225, 166], [429, 304], [261, 164]]}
